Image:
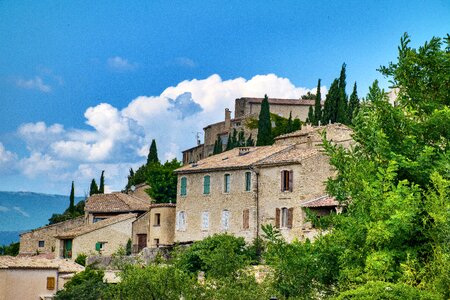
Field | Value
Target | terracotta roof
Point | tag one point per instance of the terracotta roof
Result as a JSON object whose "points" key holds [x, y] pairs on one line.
{"points": [[95, 226], [278, 101], [163, 205], [63, 265], [115, 202], [52, 225], [231, 159], [322, 201], [140, 192], [291, 155]]}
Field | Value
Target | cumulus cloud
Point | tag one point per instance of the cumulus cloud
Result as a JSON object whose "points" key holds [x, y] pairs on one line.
{"points": [[120, 139], [36, 83], [7, 160], [118, 63]]}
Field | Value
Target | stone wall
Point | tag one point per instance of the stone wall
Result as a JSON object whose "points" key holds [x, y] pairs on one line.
{"points": [[29, 241], [140, 226], [165, 231]]}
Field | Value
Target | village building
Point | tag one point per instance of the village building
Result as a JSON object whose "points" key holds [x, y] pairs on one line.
{"points": [[240, 190], [34, 278], [103, 237], [244, 110], [103, 206], [42, 240]]}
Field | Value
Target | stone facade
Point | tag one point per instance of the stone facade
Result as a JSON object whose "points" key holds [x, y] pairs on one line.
{"points": [[42, 240], [250, 187], [140, 232], [161, 225]]}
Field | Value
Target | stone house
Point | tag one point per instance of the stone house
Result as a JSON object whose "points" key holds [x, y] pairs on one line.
{"points": [[239, 190], [156, 228], [103, 206], [244, 109], [42, 240], [104, 237], [34, 278]]}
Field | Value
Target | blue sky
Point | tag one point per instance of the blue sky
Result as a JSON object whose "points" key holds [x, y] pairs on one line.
{"points": [[86, 85]]}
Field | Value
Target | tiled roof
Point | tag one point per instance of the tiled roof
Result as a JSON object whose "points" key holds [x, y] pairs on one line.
{"points": [[291, 155], [140, 192], [310, 129], [307, 102], [59, 224], [63, 265], [95, 226], [322, 201], [115, 202]]}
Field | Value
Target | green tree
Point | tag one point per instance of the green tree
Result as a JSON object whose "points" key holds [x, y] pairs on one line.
{"points": [[11, 249], [250, 142], [329, 113], [130, 178], [264, 137], [290, 125], [101, 189], [72, 199], [341, 115], [152, 154], [218, 147], [353, 104], [87, 284], [241, 139], [93, 188], [318, 105], [311, 116], [163, 181]]}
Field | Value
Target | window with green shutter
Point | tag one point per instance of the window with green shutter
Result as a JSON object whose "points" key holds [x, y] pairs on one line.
{"points": [[183, 186], [206, 184], [248, 181]]}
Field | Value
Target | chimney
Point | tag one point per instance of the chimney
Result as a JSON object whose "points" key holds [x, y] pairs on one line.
{"points": [[227, 119], [243, 150]]}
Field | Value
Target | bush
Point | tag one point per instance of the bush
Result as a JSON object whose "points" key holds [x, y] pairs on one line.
{"points": [[87, 285], [81, 259]]}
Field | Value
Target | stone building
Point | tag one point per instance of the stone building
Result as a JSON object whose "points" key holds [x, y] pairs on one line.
{"points": [[42, 240], [103, 206], [34, 278], [104, 237], [239, 190], [244, 109], [156, 228]]}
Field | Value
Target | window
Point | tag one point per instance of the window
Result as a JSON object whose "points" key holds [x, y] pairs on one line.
{"points": [[41, 244], [284, 217], [156, 242], [96, 219], [181, 221], [225, 219], [157, 220], [286, 181], [245, 219], [99, 246], [183, 189], [226, 183], [205, 220], [248, 181], [206, 184], [50, 283]]}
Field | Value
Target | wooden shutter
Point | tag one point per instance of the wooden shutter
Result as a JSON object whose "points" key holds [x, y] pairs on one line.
{"points": [[282, 181], [291, 180], [50, 283], [277, 218], [290, 217], [245, 217]]}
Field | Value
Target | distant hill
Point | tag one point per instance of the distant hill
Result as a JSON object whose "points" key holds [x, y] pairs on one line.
{"points": [[22, 211]]}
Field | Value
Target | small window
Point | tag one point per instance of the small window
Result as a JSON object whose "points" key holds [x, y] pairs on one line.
{"points": [[99, 246], [157, 220], [181, 221], [225, 220], [183, 189], [286, 181], [205, 220], [226, 183], [206, 184], [50, 283], [41, 244], [156, 242], [284, 217], [248, 181]]}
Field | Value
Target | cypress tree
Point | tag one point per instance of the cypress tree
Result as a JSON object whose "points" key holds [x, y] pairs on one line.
{"points": [[330, 105], [311, 119], [290, 126], [219, 145], [341, 115], [234, 139], [318, 105], [250, 142], [264, 125], [229, 143], [241, 139], [353, 104], [152, 154], [101, 189], [72, 199], [94, 187]]}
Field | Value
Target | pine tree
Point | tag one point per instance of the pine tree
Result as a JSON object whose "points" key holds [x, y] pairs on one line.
{"points": [[311, 116], [341, 116], [264, 125], [330, 105], [94, 188], [318, 105], [72, 199], [353, 104], [101, 189], [152, 154]]}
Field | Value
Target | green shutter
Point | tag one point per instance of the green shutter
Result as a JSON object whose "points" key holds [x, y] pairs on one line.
{"points": [[248, 178], [183, 186], [206, 184], [98, 246]]}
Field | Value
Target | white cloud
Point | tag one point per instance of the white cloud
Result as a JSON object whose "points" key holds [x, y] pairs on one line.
{"points": [[120, 64], [41, 164], [185, 62], [35, 83], [4, 209], [21, 211], [8, 160]]}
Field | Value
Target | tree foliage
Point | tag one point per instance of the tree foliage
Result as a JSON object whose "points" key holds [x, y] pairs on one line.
{"points": [[73, 211], [11, 249], [264, 137], [152, 154], [93, 189], [87, 284], [318, 105], [162, 181], [101, 188]]}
